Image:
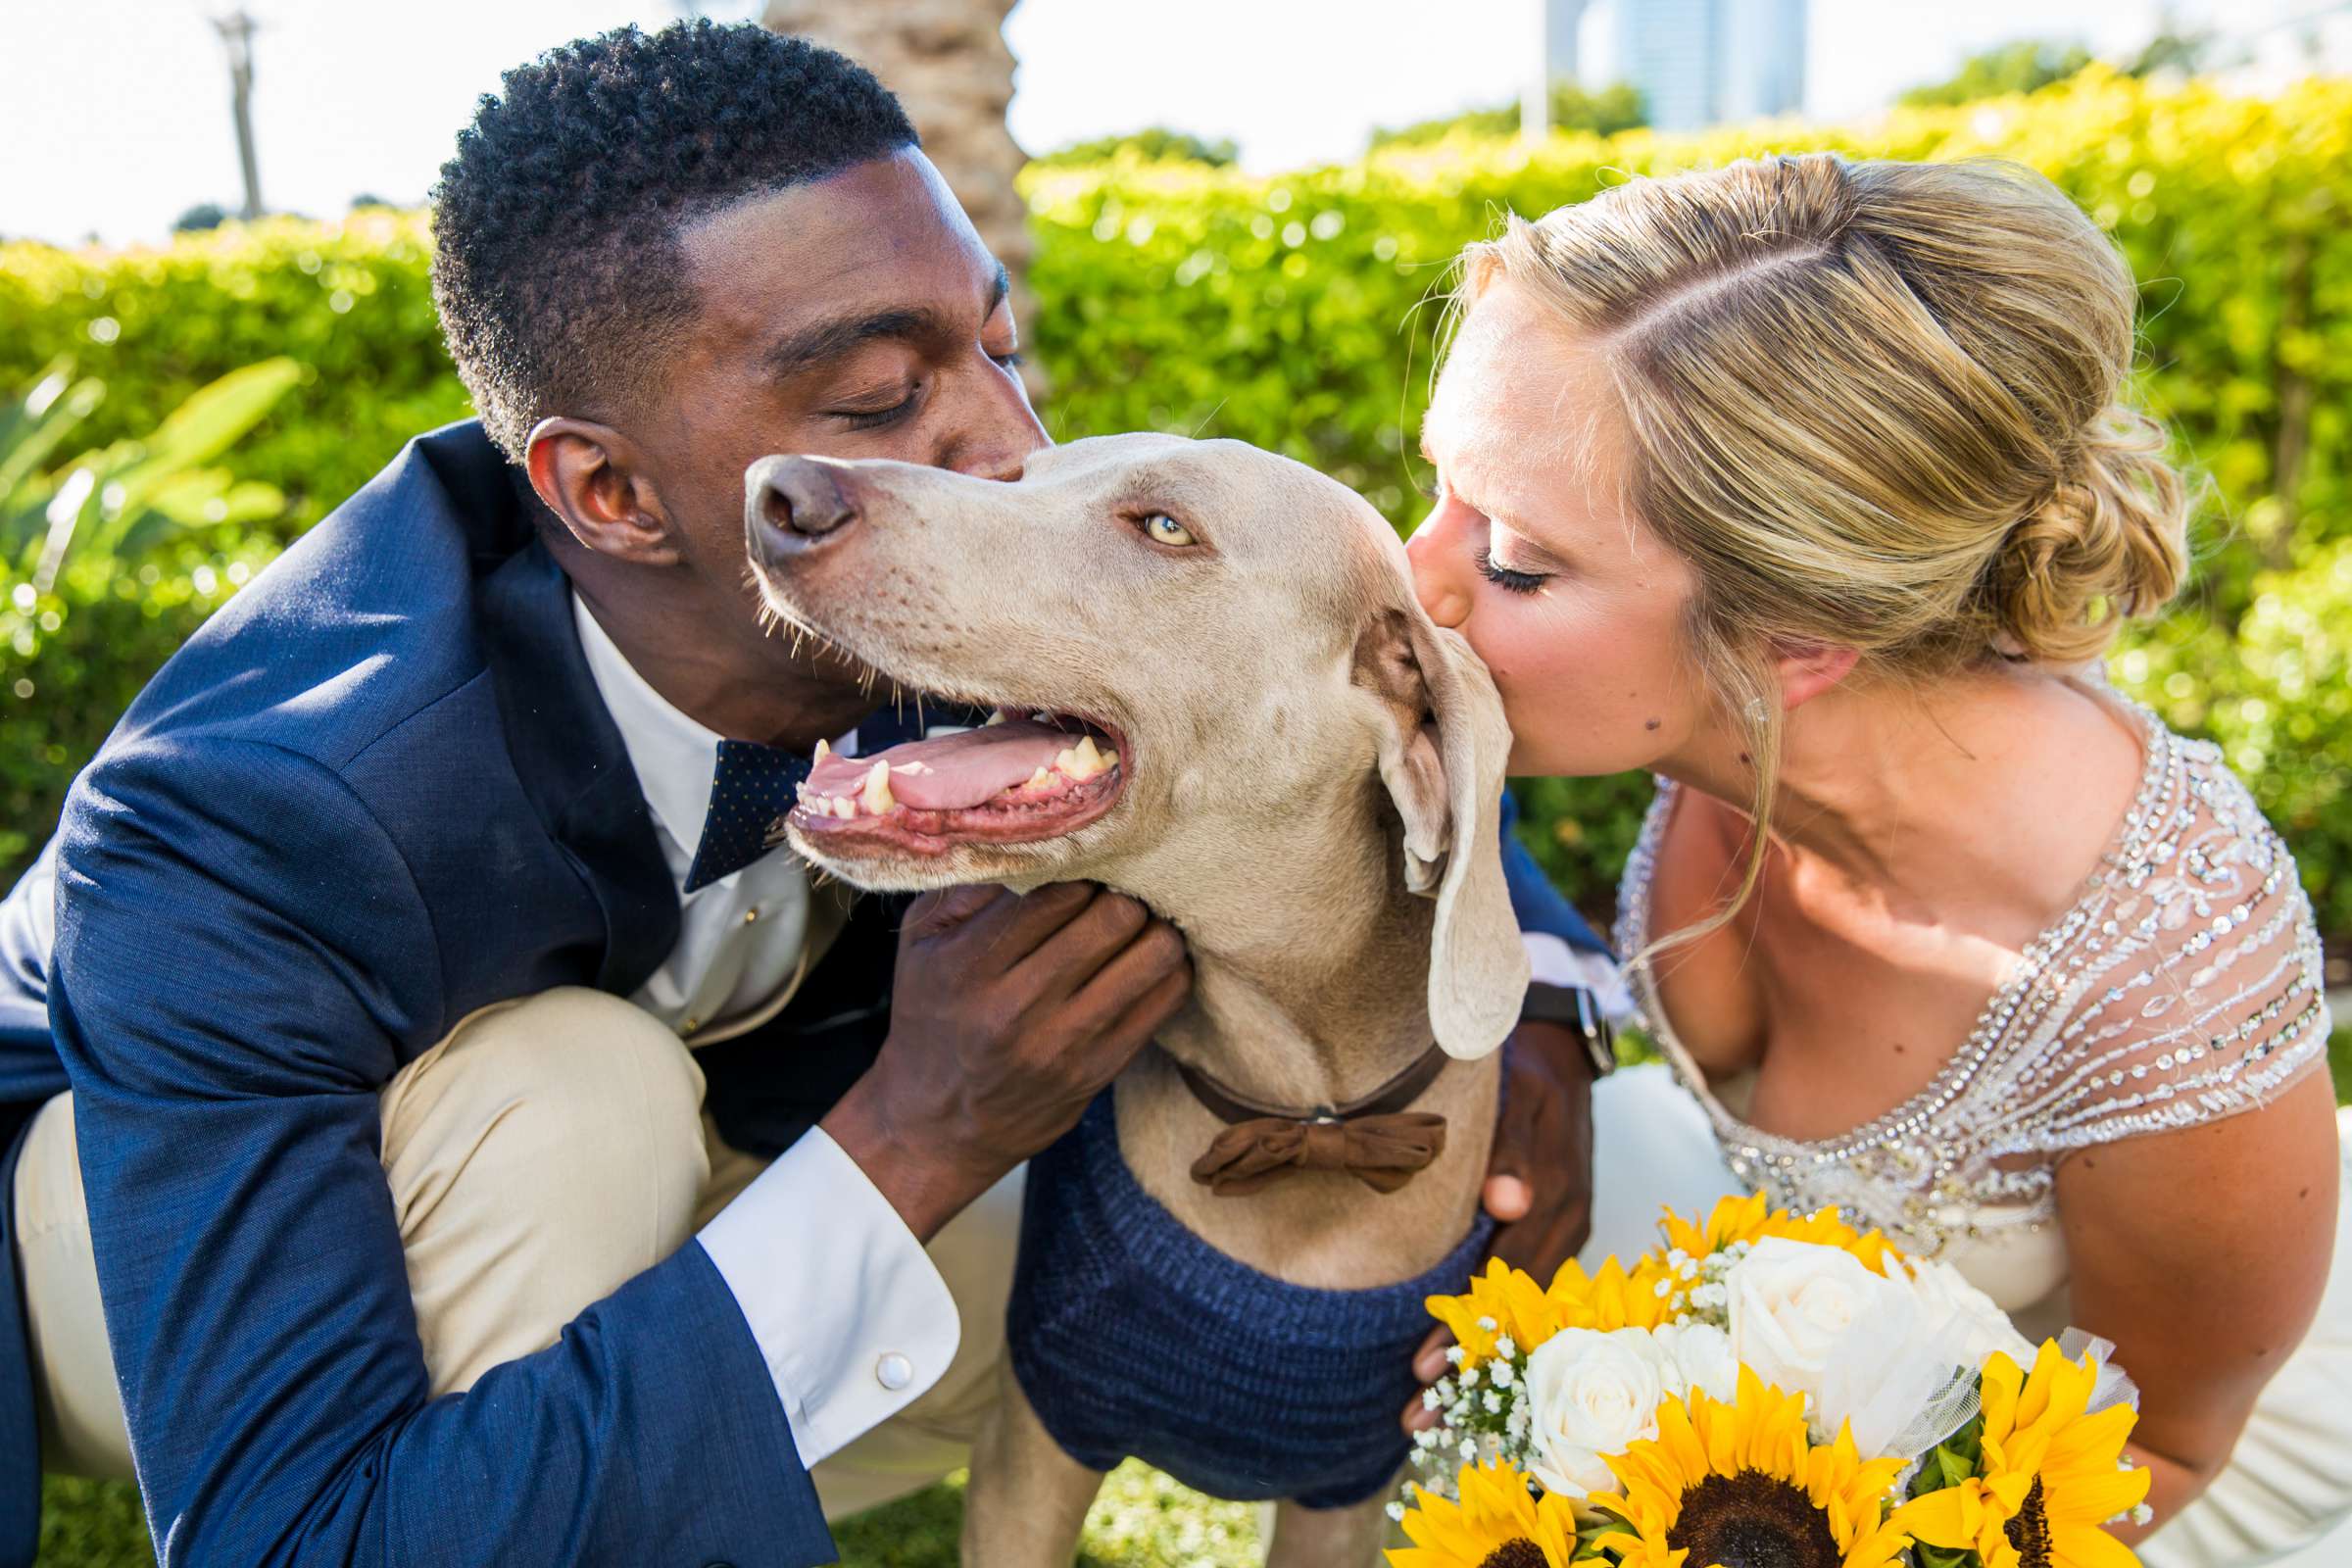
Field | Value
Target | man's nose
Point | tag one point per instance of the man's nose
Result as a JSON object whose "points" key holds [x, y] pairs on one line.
{"points": [[795, 505], [1003, 435], [1436, 558]]}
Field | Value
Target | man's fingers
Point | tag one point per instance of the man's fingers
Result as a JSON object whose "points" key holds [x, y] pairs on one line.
{"points": [[1147, 1011], [1429, 1365], [1508, 1197], [1542, 1247], [944, 908], [1032, 920], [1073, 954]]}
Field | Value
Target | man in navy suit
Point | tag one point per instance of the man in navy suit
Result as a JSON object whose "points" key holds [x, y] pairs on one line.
{"points": [[485, 1149]]}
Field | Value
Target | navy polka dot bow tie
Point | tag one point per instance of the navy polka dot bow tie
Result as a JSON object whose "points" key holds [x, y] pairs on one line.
{"points": [[754, 787]]}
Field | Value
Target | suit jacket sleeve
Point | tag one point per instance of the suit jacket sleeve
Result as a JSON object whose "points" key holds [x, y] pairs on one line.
{"points": [[240, 952], [1539, 906]]}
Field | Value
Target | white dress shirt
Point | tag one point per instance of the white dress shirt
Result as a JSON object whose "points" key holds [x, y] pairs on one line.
{"points": [[847, 1309]]}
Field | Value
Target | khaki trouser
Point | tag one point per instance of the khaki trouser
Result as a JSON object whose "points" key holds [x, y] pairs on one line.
{"points": [[539, 1158]]}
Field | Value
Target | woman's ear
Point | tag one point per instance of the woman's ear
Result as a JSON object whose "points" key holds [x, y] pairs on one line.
{"points": [[1807, 669], [588, 476]]}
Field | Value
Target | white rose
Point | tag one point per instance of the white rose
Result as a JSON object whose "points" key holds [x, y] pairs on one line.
{"points": [[1876, 1353], [1792, 1304], [1702, 1354], [1897, 1385], [1978, 1327], [1592, 1394]]}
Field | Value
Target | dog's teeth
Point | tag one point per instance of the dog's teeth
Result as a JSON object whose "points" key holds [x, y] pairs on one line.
{"points": [[844, 807], [823, 750], [1081, 761], [997, 717], [878, 798], [1041, 779], [1111, 760]]}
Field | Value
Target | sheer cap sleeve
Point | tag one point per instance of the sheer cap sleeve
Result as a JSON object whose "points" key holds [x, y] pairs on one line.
{"points": [[2193, 990], [2182, 986]]}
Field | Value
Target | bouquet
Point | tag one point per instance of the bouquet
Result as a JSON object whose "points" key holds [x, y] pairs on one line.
{"points": [[1765, 1390]]}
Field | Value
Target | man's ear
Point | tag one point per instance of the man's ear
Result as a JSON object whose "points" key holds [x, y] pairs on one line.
{"points": [[588, 476], [1443, 746]]}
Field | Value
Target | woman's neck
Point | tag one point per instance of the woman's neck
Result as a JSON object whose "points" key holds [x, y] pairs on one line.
{"points": [[1992, 782]]}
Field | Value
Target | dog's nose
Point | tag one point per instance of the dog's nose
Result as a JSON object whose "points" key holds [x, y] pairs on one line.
{"points": [[796, 504]]}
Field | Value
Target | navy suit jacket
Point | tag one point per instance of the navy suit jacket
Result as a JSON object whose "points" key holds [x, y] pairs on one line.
{"points": [[376, 792]]}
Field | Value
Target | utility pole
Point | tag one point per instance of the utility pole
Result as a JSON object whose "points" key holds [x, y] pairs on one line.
{"points": [[236, 36]]}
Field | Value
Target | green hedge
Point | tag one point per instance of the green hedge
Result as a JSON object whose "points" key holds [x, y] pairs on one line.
{"points": [[1299, 313]]}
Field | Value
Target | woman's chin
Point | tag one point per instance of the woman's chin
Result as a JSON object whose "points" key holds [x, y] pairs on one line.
{"points": [[1533, 758]]}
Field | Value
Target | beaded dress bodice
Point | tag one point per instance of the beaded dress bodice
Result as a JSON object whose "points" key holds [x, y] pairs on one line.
{"points": [[2184, 985]]}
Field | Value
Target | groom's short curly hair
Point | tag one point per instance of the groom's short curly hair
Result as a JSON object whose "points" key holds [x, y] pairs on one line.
{"points": [[556, 260]]}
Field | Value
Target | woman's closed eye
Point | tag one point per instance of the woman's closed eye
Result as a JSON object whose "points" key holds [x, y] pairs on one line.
{"points": [[1502, 576]]}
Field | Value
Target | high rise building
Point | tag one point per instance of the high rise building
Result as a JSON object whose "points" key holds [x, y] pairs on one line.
{"points": [[1699, 63]]}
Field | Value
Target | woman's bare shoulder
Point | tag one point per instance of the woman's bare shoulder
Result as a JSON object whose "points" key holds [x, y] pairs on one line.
{"points": [[1711, 997]]}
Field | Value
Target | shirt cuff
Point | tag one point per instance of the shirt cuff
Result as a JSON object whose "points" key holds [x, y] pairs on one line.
{"points": [[847, 1309], [1554, 963]]}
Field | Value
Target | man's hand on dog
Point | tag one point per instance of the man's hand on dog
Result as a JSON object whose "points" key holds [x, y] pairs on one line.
{"points": [[1540, 1177], [1010, 1013]]}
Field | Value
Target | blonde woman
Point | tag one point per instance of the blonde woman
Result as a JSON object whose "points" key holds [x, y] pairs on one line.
{"points": [[1810, 487]]}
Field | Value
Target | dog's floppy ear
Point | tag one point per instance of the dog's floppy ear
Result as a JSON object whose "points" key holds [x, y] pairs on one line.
{"points": [[1443, 745]]}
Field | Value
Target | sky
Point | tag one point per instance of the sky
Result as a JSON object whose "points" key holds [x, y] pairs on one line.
{"points": [[115, 116]]}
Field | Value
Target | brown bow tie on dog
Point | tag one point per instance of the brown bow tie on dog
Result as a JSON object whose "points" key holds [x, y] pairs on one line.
{"points": [[1374, 1138]]}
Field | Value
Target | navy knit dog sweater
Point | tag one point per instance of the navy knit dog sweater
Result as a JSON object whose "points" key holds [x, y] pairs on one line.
{"points": [[1132, 1336]]}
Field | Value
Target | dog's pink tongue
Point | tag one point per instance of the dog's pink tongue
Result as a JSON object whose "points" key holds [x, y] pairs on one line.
{"points": [[957, 771]]}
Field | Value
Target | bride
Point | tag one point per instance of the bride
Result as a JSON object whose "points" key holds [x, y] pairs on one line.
{"points": [[1810, 487]]}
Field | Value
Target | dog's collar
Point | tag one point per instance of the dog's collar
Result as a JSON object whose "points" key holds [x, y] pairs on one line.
{"points": [[1373, 1139]]}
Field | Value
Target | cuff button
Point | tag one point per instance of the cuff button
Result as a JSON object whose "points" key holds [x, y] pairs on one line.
{"points": [[894, 1371]]}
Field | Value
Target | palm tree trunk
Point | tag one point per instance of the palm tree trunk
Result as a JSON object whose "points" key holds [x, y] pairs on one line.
{"points": [[947, 62]]}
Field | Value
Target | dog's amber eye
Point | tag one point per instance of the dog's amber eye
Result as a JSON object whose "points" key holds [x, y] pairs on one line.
{"points": [[1164, 529]]}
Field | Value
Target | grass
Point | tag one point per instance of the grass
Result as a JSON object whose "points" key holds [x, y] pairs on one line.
{"points": [[1142, 1520]]}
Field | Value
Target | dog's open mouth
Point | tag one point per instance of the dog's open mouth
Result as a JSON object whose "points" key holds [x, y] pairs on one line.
{"points": [[1012, 781]]}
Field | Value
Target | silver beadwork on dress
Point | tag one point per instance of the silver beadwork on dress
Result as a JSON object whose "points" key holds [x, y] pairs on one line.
{"points": [[2182, 986]]}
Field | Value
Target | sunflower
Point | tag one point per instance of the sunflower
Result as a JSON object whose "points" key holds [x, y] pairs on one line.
{"points": [[2047, 1480], [1753, 1218], [1506, 1303], [1742, 1486], [1501, 1304], [1614, 1298], [1497, 1524]]}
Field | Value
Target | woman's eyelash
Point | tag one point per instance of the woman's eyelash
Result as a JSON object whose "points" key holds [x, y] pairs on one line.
{"points": [[1518, 583]]}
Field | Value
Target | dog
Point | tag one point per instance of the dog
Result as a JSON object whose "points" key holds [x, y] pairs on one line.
{"points": [[1213, 690]]}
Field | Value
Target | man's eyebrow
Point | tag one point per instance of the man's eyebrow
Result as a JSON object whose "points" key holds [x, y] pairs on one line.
{"points": [[814, 346]]}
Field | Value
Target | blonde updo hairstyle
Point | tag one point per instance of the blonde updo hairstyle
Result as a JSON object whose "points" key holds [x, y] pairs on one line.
{"points": [[1876, 406]]}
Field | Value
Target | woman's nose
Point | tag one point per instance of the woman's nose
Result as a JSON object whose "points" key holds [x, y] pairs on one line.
{"points": [[1436, 558]]}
